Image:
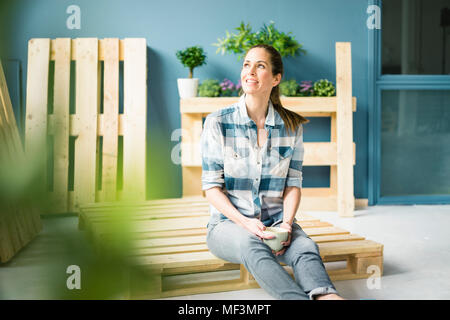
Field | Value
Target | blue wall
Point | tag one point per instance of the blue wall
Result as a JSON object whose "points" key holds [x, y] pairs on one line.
{"points": [[171, 25]]}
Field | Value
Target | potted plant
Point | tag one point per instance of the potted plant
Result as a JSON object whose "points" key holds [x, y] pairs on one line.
{"points": [[191, 58], [244, 39]]}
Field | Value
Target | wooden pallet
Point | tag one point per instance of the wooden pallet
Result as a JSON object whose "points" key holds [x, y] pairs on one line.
{"points": [[169, 240], [19, 224], [52, 65], [338, 153]]}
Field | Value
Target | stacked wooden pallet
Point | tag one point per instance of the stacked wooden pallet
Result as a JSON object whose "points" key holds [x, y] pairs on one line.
{"points": [[169, 240], [18, 224], [88, 141]]}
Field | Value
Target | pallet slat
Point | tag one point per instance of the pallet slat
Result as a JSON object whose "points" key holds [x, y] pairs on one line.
{"points": [[18, 224], [61, 102], [36, 102], [135, 110], [110, 120], [86, 114]]}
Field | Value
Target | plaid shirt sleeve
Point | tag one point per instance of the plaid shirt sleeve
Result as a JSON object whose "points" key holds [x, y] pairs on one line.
{"points": [[294, 177], [212, 155]]}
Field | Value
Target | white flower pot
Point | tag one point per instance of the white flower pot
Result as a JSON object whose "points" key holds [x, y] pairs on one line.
{"points": [[187, 88]]}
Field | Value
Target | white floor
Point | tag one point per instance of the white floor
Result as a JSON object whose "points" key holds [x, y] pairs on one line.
{"points": [[416, 243]]}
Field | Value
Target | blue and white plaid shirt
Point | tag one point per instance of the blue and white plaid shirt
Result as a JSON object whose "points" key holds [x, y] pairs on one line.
{"points": [[253, 177]]}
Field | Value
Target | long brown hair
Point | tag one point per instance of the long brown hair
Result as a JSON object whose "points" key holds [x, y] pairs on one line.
{"points": [[291, 119]]}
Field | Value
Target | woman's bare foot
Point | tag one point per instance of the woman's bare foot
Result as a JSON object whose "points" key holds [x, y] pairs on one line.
{"points": [[329, 296]]}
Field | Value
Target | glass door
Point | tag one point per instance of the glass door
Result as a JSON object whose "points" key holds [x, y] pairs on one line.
{"points": [[411, 93]]}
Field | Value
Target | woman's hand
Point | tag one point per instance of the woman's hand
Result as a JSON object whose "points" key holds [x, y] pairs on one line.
{"points": [[286, 243], [257, 228]]}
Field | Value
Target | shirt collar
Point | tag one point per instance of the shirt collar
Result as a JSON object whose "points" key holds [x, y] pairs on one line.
{"points": [[245, 119]]}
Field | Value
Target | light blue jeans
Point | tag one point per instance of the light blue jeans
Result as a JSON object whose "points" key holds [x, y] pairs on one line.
{"points": [[233, 243]]}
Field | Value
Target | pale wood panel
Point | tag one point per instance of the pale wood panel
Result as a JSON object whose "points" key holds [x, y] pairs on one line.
{"points": [[146, 248], [303, 105], [349, 247], [18, 224], [344, 125], [110, 120], [333, 138], [316, 154], [86, 115], [36, 103], [22, 224], [207, 258], [135, 109], [59, 196], [192, 183], [190, 139], [75, 126], [10, 225], [101, 50], [162, 243]]}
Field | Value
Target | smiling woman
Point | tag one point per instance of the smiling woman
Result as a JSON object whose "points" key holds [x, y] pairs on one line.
{"points": [[252, 155]]}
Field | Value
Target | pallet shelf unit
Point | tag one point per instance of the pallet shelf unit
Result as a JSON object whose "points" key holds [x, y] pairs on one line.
{"points": [[339, 153]]}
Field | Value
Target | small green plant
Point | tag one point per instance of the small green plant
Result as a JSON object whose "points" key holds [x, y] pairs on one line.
{"points": [[192, 58], [324, 88], [289, 88], [244, 39], [209, 88]]}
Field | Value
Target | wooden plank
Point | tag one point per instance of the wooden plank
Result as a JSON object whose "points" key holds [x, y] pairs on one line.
{"points": [[135, 109], [59, 196], [302, 105], [333, 168], [206, 257], [13, 152], [191, 125], [86, 115], [323, 154], [149, 225], [36, 103], [192, 183], [198, 244], [344, 125], [101, 50], [349, 247], [316, 154], [18, 225], [110, 129]]}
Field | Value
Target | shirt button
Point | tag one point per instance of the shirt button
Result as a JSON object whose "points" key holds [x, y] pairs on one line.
{"points": [[259, 162]]}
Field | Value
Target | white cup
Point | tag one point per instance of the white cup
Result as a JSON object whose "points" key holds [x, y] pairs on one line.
{"points": [[281, 235]]}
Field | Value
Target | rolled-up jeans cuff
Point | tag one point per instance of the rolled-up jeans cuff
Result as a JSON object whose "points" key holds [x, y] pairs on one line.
{"points": [[320, 291]]}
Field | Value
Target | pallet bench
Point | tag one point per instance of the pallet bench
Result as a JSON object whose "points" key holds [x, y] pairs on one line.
{"points": [[169, 239]]}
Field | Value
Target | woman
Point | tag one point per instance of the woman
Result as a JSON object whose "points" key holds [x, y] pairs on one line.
{"points": [[252, 155]]}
